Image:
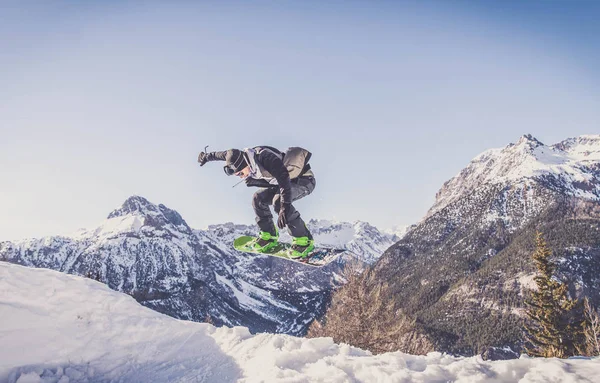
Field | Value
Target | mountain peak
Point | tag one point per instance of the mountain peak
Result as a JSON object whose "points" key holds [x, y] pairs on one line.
{"points": [[134, 204], [142, 212], [525, 146], [570, 167], [529, 140]]}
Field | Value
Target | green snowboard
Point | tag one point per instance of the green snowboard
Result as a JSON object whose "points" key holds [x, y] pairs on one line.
{"points": [[320, 256]]}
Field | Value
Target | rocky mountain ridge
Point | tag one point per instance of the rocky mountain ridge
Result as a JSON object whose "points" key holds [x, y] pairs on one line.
{"points": [[151, 253]]}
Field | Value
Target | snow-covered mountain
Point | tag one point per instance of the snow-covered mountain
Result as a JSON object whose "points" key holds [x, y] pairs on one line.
{"points": [[63, 328], [150, 252], [361, 238], [464, 269], [571, 167], [399, 231]]}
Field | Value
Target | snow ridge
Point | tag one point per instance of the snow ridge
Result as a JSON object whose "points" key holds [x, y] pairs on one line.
{"points": [[73, 329]]}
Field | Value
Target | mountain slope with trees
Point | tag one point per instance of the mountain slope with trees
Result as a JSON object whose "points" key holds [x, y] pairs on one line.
{"points": [[462, 273]]}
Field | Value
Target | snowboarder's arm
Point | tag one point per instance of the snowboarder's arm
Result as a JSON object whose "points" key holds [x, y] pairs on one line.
{"points": [[274, 165], [216, 156], [204, 157], [259, 183]]}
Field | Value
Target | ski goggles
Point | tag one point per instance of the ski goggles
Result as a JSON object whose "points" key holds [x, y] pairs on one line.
{"points": [[229, 170]]}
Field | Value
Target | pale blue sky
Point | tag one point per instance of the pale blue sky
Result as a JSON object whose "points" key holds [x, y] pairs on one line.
{"points": [[103, 100]]}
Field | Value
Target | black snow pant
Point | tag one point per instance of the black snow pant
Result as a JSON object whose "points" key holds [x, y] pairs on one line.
{"points": [[301, 187]]}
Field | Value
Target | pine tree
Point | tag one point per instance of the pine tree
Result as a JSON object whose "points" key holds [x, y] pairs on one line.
{"points": [[592, 329], [556, 322], [365, 316]]}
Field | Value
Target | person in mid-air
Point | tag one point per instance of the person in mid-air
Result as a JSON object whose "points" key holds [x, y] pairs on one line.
{"points": [[282, 179]]}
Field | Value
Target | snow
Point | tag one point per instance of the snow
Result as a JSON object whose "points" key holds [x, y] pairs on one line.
{"points": [[344, 233], [112, 227], [56, 327], [365, 241], [571, 161], [398, 230], [245, 297], [522, 282]]}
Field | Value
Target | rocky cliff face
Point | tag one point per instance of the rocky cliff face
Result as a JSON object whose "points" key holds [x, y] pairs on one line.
{"points": [[464, 269], [150, 252]]}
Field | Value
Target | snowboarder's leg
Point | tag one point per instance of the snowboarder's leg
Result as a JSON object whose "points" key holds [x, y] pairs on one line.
{"points": [[260, 202], [267, 238], [300, 189]]}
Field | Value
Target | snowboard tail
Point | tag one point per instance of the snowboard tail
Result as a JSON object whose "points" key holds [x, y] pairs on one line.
{"points": [[319, 257]]}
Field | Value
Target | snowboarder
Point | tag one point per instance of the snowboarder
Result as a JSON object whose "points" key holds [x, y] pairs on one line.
{"points": [[282, 179]]}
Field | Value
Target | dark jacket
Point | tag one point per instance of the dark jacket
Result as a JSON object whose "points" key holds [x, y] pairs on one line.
{"points": [[266, 165], [270, 167]]}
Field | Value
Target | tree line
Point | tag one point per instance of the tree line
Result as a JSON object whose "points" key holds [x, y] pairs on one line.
{"points": [[556, 324]]}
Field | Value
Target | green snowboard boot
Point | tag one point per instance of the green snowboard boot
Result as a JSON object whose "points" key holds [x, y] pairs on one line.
{"points": [[301, 247], [265, 242]]}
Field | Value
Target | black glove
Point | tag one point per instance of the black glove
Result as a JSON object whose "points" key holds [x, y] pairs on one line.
{"points": [[283, 212], [202, 158], [259, 183]]}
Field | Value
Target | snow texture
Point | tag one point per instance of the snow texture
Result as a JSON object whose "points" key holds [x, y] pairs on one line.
{"points": [[573, 166], [62, 328]]}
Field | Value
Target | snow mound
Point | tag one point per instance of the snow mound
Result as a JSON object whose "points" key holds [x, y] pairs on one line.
{"points": [[61, 328]]}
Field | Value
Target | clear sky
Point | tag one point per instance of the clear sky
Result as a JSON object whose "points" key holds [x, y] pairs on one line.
{"points": [[101, 100]]}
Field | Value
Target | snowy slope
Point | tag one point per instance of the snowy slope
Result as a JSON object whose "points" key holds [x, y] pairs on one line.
{"points": [[61, 328]]}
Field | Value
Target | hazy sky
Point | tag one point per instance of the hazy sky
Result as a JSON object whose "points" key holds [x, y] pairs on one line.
{"points": [[103, 100]]}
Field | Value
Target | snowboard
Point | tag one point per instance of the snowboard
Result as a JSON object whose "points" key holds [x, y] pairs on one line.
{"points": [[319, 257]]}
